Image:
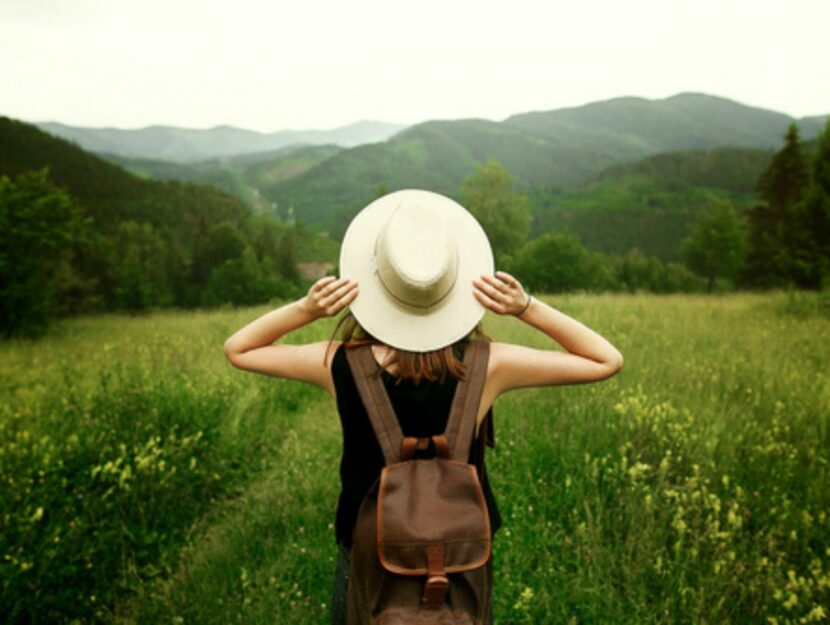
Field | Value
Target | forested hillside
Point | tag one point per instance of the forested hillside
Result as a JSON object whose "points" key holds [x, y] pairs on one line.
{"points": [[554, 149], [107, 193], [649, 204], [80, 234], [247, 176]]}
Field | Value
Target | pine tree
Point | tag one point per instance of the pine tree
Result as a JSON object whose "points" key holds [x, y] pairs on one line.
{"points": [[774, 238], [813, 218]]}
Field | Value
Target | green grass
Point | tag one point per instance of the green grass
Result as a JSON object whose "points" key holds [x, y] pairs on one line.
{"points": [[690, 488]]}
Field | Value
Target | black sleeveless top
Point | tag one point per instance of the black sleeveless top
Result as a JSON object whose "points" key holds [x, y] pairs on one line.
{"points": [[422, 410]]}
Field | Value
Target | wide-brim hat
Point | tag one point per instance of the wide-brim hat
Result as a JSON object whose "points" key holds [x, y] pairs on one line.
{"points": [[414, 255]]}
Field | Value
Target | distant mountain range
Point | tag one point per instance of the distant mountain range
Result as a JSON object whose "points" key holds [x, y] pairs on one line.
{"points": [[170, 143], [555, 149], [583, 166]]}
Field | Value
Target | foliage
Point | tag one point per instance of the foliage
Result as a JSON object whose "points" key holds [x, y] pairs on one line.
{"points": [[558, 262], [146, 244], [812, 218], [488, 194], [38, 225], [774, 229], [139, 268], [555, 262], [716, 245], [636, 272]]}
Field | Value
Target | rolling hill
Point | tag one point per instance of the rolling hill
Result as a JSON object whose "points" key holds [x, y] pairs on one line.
{"points": [[649, 204], [190, 144], [245, 176], [554, 149], [110, 195]]}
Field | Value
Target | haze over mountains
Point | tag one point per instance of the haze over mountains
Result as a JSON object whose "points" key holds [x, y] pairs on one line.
{"points": [[188, 144]]}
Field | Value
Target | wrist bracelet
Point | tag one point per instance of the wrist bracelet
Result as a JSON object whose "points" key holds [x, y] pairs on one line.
{"points": [[524, 310]]}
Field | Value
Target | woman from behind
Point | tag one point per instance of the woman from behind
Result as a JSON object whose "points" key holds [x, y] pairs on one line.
{"points": [[417, 273]]}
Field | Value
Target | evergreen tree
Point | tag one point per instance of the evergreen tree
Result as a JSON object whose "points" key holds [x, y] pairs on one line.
{"points": [[813, 217], [774, 239]]}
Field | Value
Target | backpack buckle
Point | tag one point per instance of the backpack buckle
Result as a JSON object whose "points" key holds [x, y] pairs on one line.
{"points": [[435, 590]]}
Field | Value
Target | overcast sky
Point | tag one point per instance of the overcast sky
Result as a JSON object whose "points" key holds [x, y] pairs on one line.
{"points": [[272, 65]]}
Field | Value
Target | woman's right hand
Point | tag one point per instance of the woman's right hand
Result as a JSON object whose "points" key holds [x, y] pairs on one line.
{"points": [[328, 296], [501, 293]]}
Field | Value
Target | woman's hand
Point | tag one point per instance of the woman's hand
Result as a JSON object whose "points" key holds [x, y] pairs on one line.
{"points": [[328, 296], [501, 293]]}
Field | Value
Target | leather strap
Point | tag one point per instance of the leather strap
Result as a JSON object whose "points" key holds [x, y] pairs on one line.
{"points": [[437, 582], [464, 410], [376, 401], [410, 445]]}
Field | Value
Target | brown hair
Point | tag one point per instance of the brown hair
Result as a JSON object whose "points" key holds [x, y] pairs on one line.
{"points": [[415, 366]]}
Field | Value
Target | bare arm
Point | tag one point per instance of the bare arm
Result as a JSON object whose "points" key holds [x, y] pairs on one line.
{"points": [[252, 348], [589, 356]]}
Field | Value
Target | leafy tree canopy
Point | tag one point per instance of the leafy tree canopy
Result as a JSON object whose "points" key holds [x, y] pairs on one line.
{"points": [[488, 194]]}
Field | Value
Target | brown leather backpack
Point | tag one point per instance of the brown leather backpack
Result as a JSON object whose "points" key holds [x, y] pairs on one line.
{"points": [[422, 543]]}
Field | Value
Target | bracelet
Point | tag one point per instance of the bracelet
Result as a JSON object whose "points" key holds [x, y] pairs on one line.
{"points": [[524, 310]]}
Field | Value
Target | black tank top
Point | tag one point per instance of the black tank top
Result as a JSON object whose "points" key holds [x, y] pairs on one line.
{"points": [[422, 410]]}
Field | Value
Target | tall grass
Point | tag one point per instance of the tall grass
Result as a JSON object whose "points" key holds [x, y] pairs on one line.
{"points": [[146, 481]]}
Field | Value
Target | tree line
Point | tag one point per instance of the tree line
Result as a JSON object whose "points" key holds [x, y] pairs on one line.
{"points": [[55, 259], [183, 247], [783, 240]]}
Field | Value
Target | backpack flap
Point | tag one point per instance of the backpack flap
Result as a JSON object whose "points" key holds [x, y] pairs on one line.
{"points": [[432, 518]]}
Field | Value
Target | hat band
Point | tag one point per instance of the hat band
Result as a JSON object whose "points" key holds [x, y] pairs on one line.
{"points": [[408, 304]]}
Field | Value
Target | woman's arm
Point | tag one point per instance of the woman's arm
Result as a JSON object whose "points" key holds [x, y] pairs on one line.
{"points": [[252, 348], [589, 356]]}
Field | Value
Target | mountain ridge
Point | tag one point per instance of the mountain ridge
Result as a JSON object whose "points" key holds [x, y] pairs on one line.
{"points": [[186, 145], [547, 149]]}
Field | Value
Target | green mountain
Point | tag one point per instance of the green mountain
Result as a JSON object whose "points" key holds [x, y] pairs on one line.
{"points": [[245, 176], [731, 169], [649, 204], [110, 195], [189, 144], [552, 149], [623, 128]]}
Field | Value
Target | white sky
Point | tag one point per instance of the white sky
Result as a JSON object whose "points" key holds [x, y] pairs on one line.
{"points": [[274, 64]]}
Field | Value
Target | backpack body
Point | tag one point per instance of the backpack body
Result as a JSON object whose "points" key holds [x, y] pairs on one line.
{"points": [[421, 548]]}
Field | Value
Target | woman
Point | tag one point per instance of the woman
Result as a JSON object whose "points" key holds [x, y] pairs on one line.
{"points": [[417, 272]]}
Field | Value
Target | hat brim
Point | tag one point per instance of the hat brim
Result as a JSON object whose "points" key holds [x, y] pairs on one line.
{"points": [[389, 320]]}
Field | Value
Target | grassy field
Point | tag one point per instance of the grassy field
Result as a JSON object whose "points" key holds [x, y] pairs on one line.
{"points": [[144, 480]]}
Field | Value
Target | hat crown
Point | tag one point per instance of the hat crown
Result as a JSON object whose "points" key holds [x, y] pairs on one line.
{"points": [[416, 256]]}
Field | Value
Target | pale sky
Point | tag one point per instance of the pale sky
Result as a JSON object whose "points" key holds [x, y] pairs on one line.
{"points": [[273, 65]]}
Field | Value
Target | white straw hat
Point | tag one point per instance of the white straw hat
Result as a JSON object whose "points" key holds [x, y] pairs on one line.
{"points": [[414, 255]]}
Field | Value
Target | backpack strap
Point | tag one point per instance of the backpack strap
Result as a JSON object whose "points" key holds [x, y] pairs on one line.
{"points": [[376, 401], [462, 420]]}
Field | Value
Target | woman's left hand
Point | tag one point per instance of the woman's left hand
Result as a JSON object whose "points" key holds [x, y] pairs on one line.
{"points": [[328, 296], [501, 293]]}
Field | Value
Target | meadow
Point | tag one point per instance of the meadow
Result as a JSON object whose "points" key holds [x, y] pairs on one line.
{"points": [[144, 480]]}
